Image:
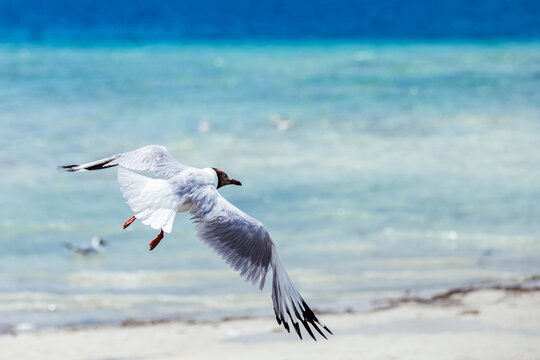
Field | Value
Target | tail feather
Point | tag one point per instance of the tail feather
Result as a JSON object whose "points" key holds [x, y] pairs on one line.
{"points": [[289, 304]]}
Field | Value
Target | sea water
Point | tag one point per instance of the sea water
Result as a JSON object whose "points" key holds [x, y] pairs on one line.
{"points": [[377, 167]]}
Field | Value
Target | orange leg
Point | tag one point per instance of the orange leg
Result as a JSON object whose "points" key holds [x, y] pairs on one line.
{"points": [[156, 241], [127, 223]]}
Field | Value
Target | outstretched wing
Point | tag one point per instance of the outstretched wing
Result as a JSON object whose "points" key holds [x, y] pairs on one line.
{"points": [[289, 303], [154, 158], [246, 246], [240, 240]]}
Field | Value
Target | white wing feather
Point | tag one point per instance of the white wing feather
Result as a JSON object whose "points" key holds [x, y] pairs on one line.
{"points": [[154, 158], [153, 201]]}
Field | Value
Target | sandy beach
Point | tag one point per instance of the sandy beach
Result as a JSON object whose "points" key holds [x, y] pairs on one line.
{"points": [[498, 322]]}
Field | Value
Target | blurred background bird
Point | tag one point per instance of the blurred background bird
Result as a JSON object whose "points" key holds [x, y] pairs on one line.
{"points": [[95, 246]]}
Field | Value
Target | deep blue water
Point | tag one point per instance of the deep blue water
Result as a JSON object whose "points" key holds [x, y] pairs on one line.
{"points": [[146, 20]]}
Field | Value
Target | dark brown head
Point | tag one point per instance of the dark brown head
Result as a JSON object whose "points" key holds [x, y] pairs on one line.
{"points": [[224, 179]]}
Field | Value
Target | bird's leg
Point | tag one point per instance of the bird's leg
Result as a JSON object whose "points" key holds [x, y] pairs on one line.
{"points": [[127, 223], [156, 241]]}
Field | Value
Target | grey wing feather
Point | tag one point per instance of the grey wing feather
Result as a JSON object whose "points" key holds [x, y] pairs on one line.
{"points": [[240, 240], [246, 246], [154, 158]]}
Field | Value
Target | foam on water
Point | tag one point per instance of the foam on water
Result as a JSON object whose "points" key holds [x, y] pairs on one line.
{"points": [[407, 167]]}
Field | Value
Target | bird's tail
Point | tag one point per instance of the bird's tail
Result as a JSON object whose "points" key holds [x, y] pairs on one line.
{"points": [[68, 245], [289, 303], [95, 165]]}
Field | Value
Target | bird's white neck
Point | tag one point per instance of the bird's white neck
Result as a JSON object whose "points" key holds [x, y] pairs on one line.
{"points": [[211, 175]]}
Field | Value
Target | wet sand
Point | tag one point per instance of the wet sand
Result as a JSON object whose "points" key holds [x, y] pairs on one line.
{"points": [[498, 322]]}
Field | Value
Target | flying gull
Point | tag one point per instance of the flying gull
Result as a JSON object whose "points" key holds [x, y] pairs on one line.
{"points": [[242, 241]]}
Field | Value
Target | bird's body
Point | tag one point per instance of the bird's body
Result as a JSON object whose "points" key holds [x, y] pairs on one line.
{"points": [[95, 246], [239, 239], [156, 201]]}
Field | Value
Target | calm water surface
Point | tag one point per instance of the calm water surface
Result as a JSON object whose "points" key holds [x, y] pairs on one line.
{"points": [[406, 167]]}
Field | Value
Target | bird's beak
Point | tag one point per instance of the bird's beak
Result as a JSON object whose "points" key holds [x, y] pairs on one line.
{"points": [[235, 182]]}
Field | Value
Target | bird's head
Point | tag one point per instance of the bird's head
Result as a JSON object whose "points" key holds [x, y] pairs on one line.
{"points": [[224, 179], [97, 242]]}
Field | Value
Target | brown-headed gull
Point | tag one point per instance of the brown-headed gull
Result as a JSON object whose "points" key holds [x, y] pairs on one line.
{"points": [[242, 241], [95, 246]]}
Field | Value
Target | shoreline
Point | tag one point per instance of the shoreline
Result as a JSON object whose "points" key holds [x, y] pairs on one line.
{"points": [[438, 298], [484, 322]]}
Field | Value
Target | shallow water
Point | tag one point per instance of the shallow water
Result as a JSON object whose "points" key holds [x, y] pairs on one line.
{"points": [[411, 166]]}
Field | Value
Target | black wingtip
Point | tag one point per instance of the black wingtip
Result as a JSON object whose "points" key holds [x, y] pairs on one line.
{"points": [[297, 328], [327, 329], [319, 330], [103, 165], [307, 318], [67, 167], [310, 317], [96, 166], [285, 324], [287, 327], [304, 322]]}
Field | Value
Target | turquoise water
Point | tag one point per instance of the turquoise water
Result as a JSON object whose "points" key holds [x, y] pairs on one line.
{"points": [[412, 166]]}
